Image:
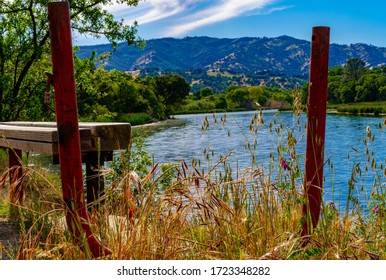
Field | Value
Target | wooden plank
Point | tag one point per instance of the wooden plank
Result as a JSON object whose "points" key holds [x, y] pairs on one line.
{"points": [[37, 147], [49, 148], [112, 136], [38, 134], [41, 134], [22, 123]]}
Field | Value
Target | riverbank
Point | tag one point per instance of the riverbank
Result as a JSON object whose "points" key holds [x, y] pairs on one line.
{"points": [[361, 109], [364, 108], [356, 109], [158, 125]]}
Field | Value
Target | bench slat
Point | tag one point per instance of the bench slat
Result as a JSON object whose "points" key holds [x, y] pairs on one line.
{"points": [[38, 139], [41, 147], [41, 134], [112, 136]]}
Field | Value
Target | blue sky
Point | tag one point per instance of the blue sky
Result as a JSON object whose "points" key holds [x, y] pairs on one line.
{"points": [[350, 21]]}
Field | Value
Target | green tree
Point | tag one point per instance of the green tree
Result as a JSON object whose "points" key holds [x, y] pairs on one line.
{"points": [[237, 97], [172, 88], [368, 87], [304, 93], [347, 92], [156, 108], [24, 45], [256, 94], [382, 93], [353, 70], [334, 83], [221, 102], [354, 83], [110, 95], [204, 92], [230, 88]]}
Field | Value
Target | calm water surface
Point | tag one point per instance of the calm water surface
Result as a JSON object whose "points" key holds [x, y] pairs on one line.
{"points": [[344, 146]]}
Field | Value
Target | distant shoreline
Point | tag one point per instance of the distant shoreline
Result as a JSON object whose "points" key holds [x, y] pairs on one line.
{"points": [[174, 122], [159, 125]]}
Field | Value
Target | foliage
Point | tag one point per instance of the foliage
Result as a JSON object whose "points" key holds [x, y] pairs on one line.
{"points": [[169, 173], [202, 93], [24, 49], [173, 88], [219, 81], [136, 118], [236, 98], [3, 160], [374, 108], [353, 70], [114, 95], [4, 208], [354, 83], [134, 158], [256, 93]]}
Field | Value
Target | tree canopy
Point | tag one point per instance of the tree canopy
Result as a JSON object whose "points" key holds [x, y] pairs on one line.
{"points": [[353, 82], [24, 47], [115, 96]]}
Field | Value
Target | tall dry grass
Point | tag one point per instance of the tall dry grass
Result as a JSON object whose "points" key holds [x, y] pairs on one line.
{"points": [[212, 214]]}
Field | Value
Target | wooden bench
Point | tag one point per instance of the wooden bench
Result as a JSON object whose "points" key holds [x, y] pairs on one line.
{"points": [[98, 142]]}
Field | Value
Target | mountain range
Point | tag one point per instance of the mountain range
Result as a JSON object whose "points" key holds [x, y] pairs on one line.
{"points": [[282, 56]]}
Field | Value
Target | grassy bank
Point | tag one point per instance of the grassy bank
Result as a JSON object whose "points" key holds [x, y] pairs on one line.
{"points": [[212, 111], [365, 108], [133, 118], [185, 211]]}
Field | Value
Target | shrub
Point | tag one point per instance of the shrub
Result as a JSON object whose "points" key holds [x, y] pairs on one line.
{"points": [[136, 118]]}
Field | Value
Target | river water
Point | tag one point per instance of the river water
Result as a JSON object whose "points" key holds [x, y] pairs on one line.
{"points": [[345, 148]]}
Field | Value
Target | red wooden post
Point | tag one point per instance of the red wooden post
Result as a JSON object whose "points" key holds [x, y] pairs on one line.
{"points": [[316, 128], [68, 127]]}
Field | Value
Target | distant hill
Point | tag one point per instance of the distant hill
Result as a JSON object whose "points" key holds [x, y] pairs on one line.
{"points": [[281, 57]]}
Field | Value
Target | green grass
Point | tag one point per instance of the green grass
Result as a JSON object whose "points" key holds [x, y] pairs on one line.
{"points": [[132, 118], [4, 208], [362, 108], [188, 112], [136, 118], [371, 108], [3, 159]]}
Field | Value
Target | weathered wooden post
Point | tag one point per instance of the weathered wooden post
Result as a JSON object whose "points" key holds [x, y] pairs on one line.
{"points": [[316, 128], [68, 127], [95, 181], [16, 191]]}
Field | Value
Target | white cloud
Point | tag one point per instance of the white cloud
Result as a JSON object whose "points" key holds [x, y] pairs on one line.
{"points": [[277, 9], [219, 11], [187, 15], [149, 11], [160, 9]]}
